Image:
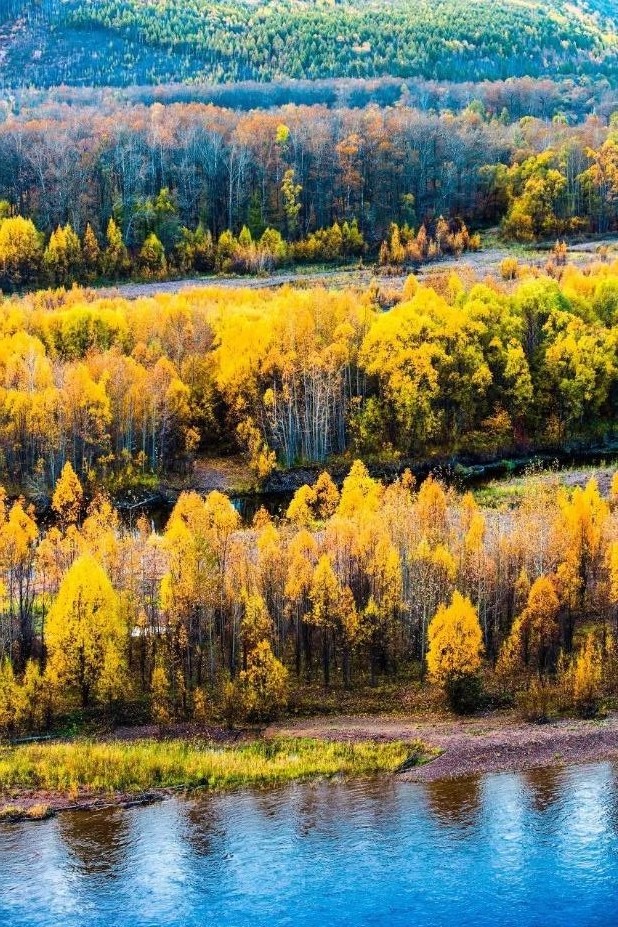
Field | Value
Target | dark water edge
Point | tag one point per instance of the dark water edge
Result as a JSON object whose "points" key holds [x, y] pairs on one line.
{"points": [[463, 472], [534, 849]]}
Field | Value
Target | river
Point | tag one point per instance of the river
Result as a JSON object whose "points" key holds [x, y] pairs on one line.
{"points": [[536, 849]]}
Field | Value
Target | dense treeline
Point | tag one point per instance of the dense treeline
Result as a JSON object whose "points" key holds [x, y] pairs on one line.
{"points": [[126, 388], [27, 262], [509, 99], [300, 169], [213, 618], [166, 248], [238, 40]]}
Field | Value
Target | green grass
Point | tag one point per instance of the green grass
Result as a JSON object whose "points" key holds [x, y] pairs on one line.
{"points": [[85, 765]]}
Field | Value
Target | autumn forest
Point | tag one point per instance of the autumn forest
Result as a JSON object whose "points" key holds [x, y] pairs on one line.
{"points": [[348, 254]]}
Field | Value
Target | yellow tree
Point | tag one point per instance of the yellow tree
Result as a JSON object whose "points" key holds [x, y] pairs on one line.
{"points": [[326, 496], [384, 575], [302, 557], [256, 625], [360, 494], [263, 685], [431, 510], [186, 594], [332, 609], [33, 706], [68, 496], [586, 678], [455, 651], [9, 695], [534, 638], [581, 533], [300, 510], [612, 567], [271, 574], [85, 631], [18, 537], [431, 573]]}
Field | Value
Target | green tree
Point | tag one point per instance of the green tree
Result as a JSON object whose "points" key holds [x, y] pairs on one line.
{"points": [[152, 257], [115, 257], [290, 191]]}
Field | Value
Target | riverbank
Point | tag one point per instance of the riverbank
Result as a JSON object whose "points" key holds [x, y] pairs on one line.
{"points": [[37, 780], [496, 742], [41, 778]]}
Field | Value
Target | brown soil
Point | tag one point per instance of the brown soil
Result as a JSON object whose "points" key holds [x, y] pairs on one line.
{"points": [[490, 743]]}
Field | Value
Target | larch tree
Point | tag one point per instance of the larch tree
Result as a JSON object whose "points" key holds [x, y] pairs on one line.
{"points": [[455, 651], [68, 497], [85, 631], [325, 596], [532, 645]]}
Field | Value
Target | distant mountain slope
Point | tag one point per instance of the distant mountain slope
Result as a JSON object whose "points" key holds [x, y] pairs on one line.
{"points": [[121, 42]]}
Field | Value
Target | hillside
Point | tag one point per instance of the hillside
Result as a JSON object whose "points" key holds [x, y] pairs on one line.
{"points": [[123, 42]]}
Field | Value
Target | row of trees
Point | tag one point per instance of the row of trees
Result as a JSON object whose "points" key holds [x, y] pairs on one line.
{"points": [[158, 169], [405, 246], [561, 191], [211, 618], [27, 261], [507, 100], [138, 386]]}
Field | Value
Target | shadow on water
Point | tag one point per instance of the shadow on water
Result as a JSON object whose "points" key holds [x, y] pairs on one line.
{"points": [[455, 802], [544, 786]]}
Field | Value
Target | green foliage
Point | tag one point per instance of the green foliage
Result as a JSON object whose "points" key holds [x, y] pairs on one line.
{"points": [[201, 39], [464, 693], [145, 764]]}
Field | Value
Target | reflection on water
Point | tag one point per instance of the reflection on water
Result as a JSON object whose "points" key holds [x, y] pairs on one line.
{"points": [[96, 844], [544, 786], [456, 802], [538, 849]]}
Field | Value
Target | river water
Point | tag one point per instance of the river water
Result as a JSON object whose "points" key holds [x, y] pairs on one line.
{"points": [[538, 849]]}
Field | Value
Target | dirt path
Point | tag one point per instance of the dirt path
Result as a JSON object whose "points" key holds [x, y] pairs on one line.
{"points": [[340, 278], [484, 262], [483, 744]]}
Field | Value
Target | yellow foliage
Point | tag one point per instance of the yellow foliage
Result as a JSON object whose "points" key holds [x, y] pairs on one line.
{"points": [[264, 684], [68, 496], [84, 630], [360, 494], [535, 633], [586, 678], [455, 641]]}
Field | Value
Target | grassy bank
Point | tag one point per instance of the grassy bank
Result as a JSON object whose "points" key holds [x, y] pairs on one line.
{"points": [[87, 766]]}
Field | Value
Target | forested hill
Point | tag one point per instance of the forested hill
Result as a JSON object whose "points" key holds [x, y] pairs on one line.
{"points": [[123, 42]]}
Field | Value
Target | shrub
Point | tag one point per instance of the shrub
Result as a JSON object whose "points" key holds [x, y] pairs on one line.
{"points": [[538, 702], [464, 692]]}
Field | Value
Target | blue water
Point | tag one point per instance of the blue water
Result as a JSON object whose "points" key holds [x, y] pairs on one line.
{"points": [[531, 850]]}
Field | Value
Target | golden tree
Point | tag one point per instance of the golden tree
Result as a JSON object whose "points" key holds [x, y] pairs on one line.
{"points": [[263, 685], [455, 651], [85, 631], [68, 496], [534, 637], [586, 675]]}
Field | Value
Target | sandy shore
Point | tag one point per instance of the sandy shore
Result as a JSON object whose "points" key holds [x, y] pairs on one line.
{"points": [[482, 744]]}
